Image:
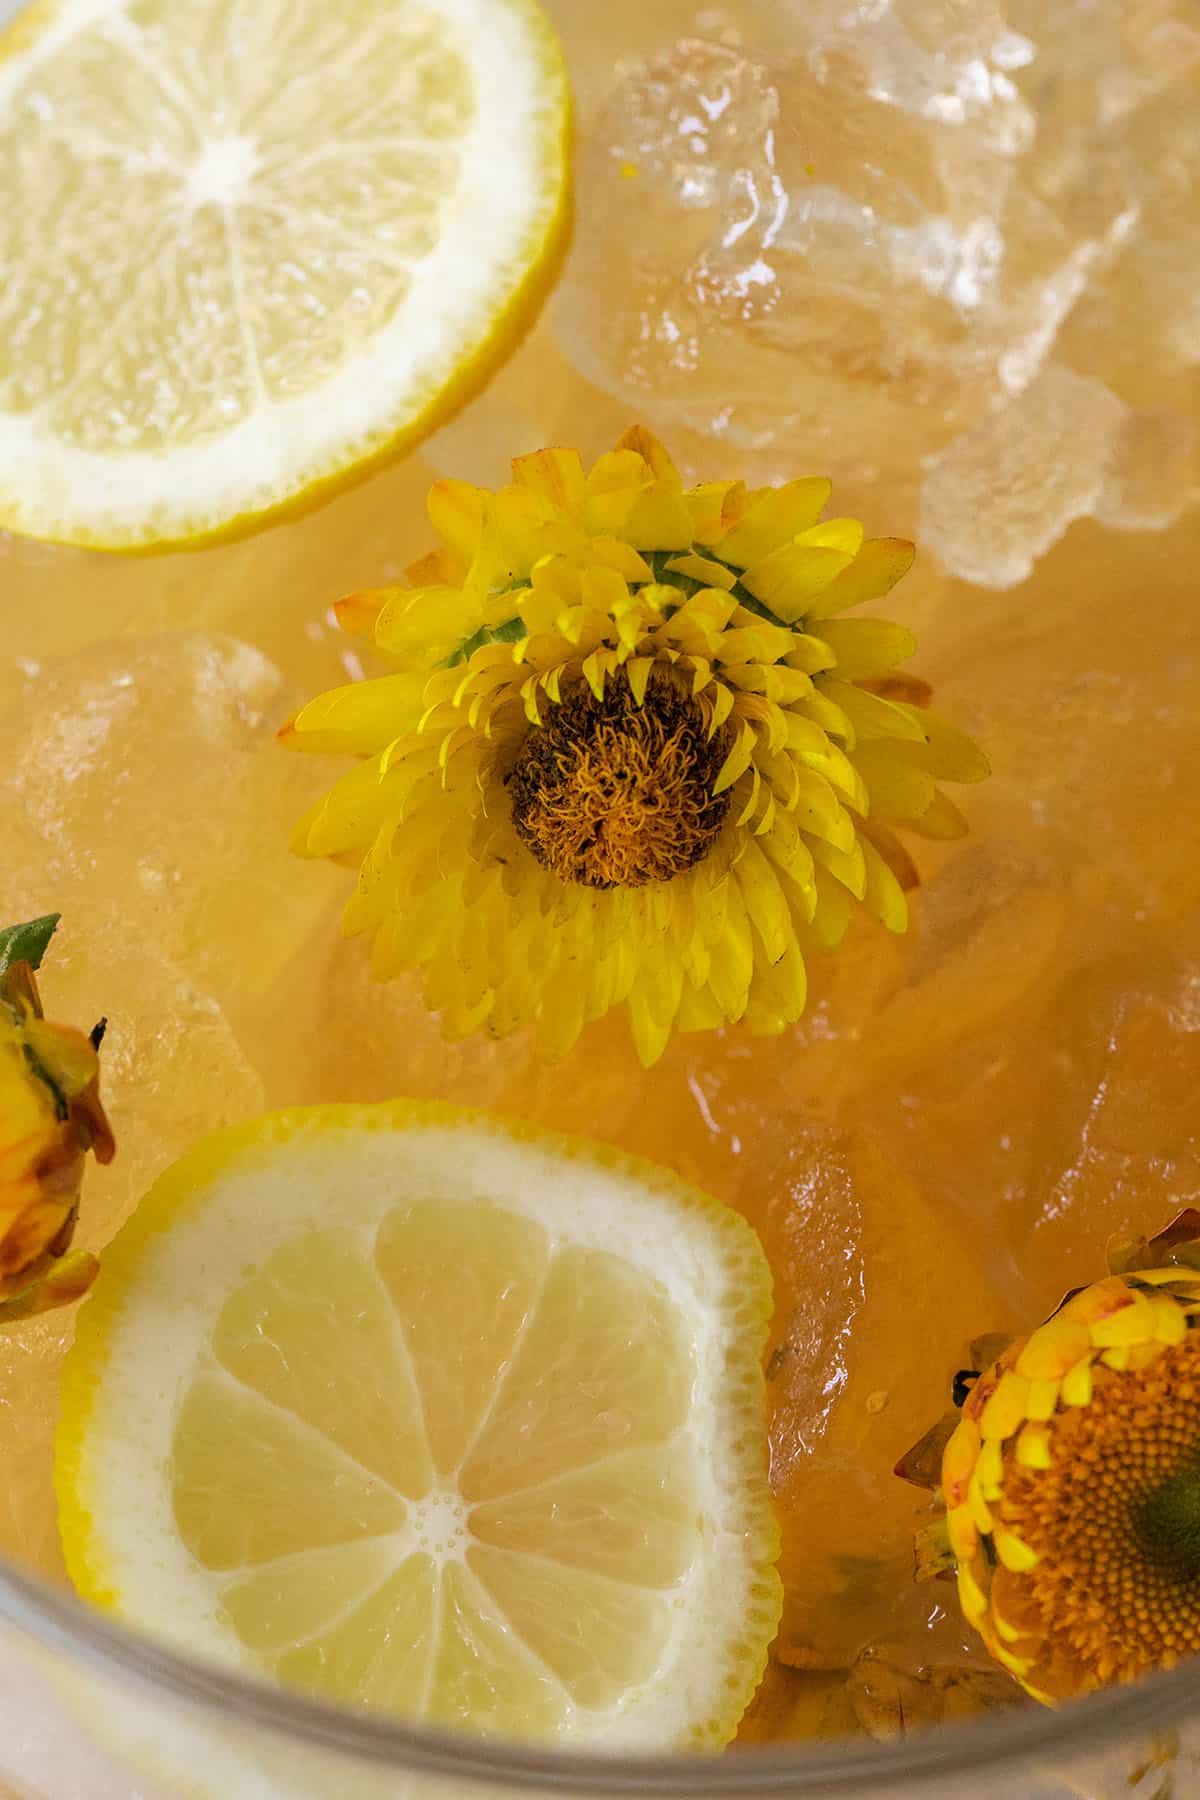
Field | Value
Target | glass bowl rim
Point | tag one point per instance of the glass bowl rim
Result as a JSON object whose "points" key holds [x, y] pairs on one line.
{"points": [[59, 1622]]}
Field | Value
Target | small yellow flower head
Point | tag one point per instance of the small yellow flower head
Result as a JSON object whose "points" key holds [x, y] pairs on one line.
{"points": [[630, 753], [1072, 1481], [50, 1117]]}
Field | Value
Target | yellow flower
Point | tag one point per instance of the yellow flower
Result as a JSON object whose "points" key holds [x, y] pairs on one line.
{"points": [[631, 751], [50, 1116], [1071, 1483]]}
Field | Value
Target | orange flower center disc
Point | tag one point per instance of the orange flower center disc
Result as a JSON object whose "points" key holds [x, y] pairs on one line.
{"points": [[612, 794]]}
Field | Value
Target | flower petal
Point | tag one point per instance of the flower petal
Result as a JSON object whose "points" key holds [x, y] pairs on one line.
{"points": [[765, 905], [848, 867], [359, 719], [946, 753], [715, 508], [789, 580], [870, 716], [876, 569], [556, 475], [772, 517], [349, 816], [941, 819], [702, 569], [738, 760], [652, 452], [882, 894], [866, 647], [424, 625], [896, 790], [456, 513], [658, 520], [357, 613]]}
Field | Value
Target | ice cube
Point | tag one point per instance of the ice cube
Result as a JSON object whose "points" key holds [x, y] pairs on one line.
{"points": [[1092, 63], [351, 1037], [667, 295], [1105, 427], [144, 777], [598, 39], [1004, 491], [1139, 327], [946, 60], [893, 1695], [834, 249], [171, 1067], [1115, 1143], [868, 1331], [1080, 879], [855, 237], [1088, 715], [1154, 475]]}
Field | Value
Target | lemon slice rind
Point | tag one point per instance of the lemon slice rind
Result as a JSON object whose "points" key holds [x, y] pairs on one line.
{"points": [[470, 302], [248, 1190]]}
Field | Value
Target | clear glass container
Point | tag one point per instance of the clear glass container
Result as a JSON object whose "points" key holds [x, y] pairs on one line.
{"points": [[89, 1711], [948, 252]]}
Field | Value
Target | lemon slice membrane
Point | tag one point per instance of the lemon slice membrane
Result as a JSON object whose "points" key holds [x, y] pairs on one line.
{"points": [[439, 1415], [249, 246]]}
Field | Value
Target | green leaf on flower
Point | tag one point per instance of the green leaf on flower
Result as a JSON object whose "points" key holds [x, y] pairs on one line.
{"points": [[688, 585], [506, 633], [27, 943], [510, 631]]}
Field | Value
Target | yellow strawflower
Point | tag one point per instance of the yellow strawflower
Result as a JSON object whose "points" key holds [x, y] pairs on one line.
{"points": [[630, 753], [50, 1117], [1071, 1482]]}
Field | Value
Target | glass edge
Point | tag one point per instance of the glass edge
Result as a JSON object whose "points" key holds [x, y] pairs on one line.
{"points": [[60, 1622]]}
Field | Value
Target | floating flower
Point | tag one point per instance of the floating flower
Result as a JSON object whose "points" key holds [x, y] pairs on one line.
{"points": [[50, 1117], [631, 751], [1071, 1482]]}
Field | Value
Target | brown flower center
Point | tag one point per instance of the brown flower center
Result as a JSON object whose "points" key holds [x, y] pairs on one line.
{"points": [[1115, 1521], [612, 794]]}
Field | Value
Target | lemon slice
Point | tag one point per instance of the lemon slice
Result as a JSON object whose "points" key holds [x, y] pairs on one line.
{"points": [[435, 1414], [248, 247]]}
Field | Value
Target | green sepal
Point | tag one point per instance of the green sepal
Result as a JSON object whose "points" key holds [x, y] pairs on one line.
{"points": [[932, 1556], [27, 943], [688, 584], [509, 632]]}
